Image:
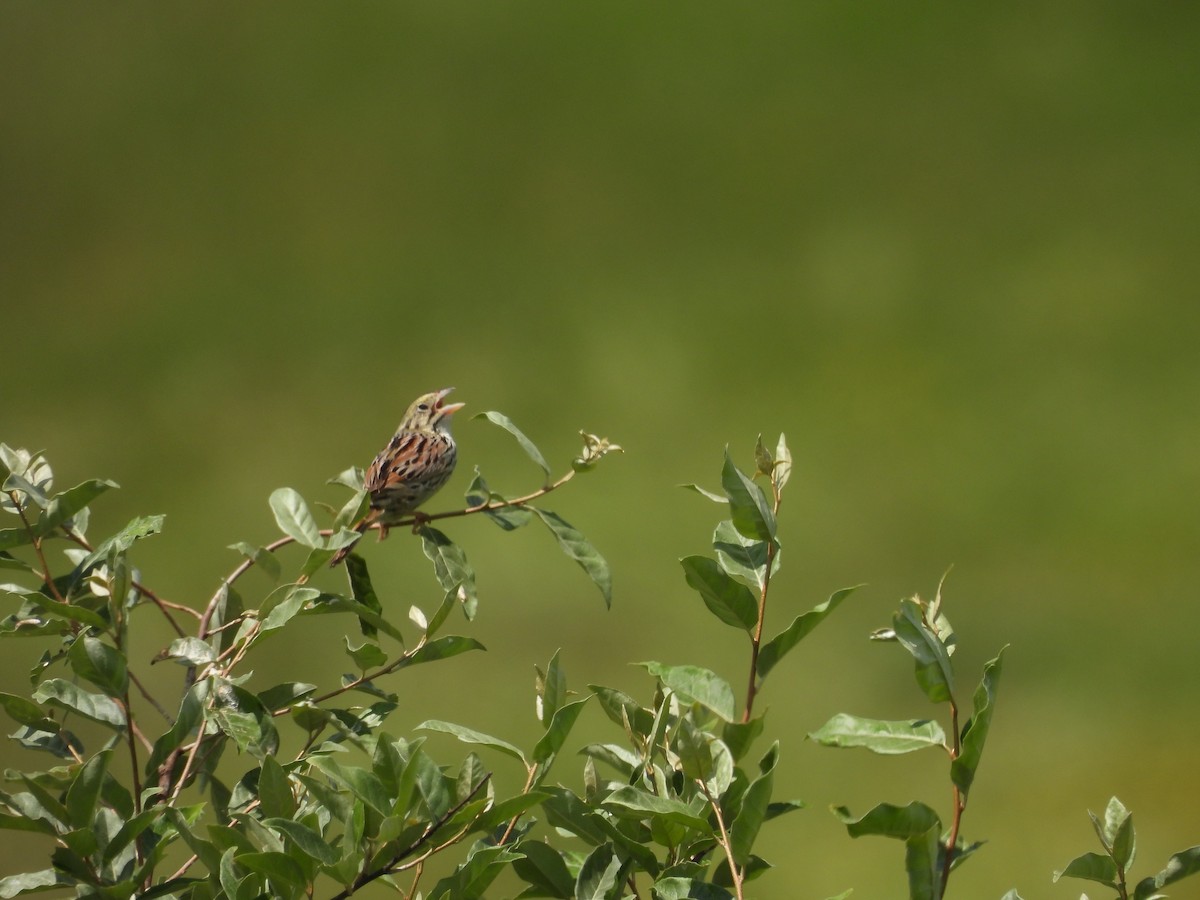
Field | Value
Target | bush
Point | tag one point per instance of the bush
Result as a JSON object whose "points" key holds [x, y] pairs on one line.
{"points": [[672, 807]]}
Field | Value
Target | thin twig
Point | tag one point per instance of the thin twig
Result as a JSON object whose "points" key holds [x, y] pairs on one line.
{"points": [[512, 823], [394, 864], [365, 677], [756, 640], [47, 577], [145, 693], [960, 803], [726, 843], [275, 545], [163, 605]]}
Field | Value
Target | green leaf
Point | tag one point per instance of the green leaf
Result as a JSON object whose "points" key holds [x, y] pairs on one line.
{"points": [[274, 790], [696, 685], [368, 655], [34, 882], [9, 539], [727, 599], [887, 820], [780, 645], [633, 802], [102, 665], [306, 839], [363, 591], [738, 736], [450, 566], [26, 712], [782, 469], [527, 445], [763, 461], [1124, 848], [470, 736], [748, 505], [1182, 864], [704, 492], [191, 712], [141, 527], [294, 518], [191, 651], [543, 867], [471, 879], [85, 790], [281, 696], [65, 695], [742, 558], [283, 604], [329, 603], [263, 558], [129, 832], [560, 726], [1091, 867], [934, 672], [753, 811], [599, 876], [577, 547], [921, 863], [962, 769], [551, 688], [688, 889], [443, 648], [241, 715], [879, 736], [509, 518], [281, 869], [622, 708], [66, 505]]}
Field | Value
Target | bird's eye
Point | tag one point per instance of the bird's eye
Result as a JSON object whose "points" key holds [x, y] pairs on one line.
{"points": [[424, 407]]}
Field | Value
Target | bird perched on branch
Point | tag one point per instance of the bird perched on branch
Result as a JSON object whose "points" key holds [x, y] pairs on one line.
{"points": [[416, 462]]}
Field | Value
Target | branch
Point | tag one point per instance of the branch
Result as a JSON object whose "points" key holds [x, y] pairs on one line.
{"points": [[417, 518], [726, 843], [756, 641], [47, 577], [367, 877]]}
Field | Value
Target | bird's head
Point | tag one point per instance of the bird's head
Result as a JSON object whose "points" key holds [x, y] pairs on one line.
{"points": [[430, 412]]}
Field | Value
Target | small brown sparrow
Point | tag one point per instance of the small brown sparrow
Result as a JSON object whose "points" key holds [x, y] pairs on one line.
{"points": [[416, 462]]}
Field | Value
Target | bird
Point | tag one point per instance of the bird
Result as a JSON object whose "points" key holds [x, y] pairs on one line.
{"points": [[416, 462]]}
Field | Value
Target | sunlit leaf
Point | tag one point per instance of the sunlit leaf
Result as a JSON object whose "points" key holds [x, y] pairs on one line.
{"points": [[694, 684], [470, 736], [102, 665], [777, 647], [962, 769], [141, 527], [743, 558], [1091, 867], [294, 517], [556, 733], [748, 505], [264, 559], [527, 445], [727, 599], [879, 735], [368, 655], [935, 673], [704, 492], [66, 505], [450, 565], [65, 695], [577, 547]]}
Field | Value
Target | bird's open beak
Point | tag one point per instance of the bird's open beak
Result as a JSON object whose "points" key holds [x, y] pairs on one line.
{"points": [[447, 408]]}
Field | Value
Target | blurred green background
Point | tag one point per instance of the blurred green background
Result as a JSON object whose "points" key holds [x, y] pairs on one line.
{"points": [[950, 250]]}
